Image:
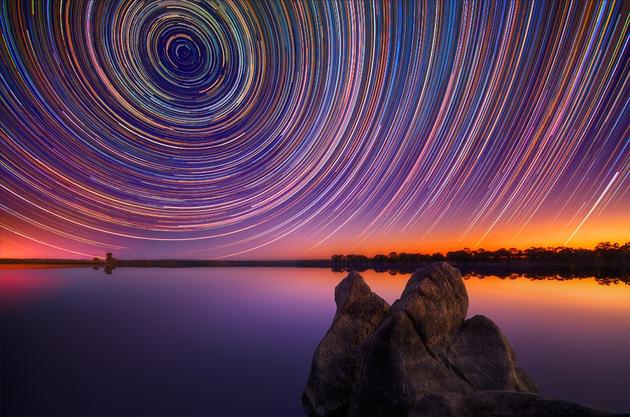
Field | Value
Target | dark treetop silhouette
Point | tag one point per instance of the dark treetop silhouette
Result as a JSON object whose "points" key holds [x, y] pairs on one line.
{"points": [[609, 257]]}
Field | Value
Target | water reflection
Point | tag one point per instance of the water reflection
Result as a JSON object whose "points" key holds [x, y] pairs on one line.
{"points": [[601, 280], [603, 276], [532, 272], [197, 341]]}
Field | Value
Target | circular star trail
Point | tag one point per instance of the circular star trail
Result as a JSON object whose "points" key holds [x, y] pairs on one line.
{"points": [[218, 128]]}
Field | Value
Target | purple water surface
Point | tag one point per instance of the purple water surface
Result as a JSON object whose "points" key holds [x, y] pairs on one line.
{"points": [[239, 341]]}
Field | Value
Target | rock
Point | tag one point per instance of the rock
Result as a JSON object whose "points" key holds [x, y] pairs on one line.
{"points": [[420, 357], [525, 383], [515, 404], [482, 355], [502, 404], [396, 371], [435, 298], [403, 361], [330, 382]]}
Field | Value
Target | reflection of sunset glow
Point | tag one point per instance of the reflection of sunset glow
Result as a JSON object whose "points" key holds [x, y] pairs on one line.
{"points": [[571, 294], [20, 284], [572, 336], [293, 284]]}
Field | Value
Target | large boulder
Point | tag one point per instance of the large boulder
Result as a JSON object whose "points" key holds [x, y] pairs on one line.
{"points": [[403, 361], [503, 404], [425, 348], [396, 370], [420, 357], [482, 355], [359, 311], [436, 300]]}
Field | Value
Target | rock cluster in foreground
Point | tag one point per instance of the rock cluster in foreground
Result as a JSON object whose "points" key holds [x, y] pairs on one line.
{"points": [[419, 357]]}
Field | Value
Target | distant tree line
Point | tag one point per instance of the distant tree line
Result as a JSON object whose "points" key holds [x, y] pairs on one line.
{"points": [[603, 255]]}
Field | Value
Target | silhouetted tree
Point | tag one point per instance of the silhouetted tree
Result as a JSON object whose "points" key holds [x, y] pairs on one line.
{"points": [[437, 256], [604, 253]]}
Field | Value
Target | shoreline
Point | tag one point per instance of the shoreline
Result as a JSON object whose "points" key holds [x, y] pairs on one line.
{"points": [[318, 263], [501, 268], [171, 263]]}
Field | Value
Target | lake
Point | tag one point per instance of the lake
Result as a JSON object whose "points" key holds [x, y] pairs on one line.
{"points": [[239, 341]]}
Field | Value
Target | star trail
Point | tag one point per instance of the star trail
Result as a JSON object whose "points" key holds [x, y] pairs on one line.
{"points": [[298, 128]]}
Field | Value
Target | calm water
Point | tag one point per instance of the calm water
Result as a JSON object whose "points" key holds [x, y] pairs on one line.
{"points": [[239, 341]]}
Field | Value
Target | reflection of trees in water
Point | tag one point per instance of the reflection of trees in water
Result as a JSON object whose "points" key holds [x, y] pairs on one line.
{"points": [[606, 277], [602, 280], [607, 262]]}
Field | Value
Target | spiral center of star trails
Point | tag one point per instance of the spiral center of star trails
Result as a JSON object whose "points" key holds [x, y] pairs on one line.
{"points": [[184, 55]]}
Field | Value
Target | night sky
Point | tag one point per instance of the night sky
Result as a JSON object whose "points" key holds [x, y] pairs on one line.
{"points": [[198, 129]]}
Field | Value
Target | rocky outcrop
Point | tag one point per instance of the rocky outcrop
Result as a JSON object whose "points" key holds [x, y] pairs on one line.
{"points": [[396, 370], [420, 357], [503, 404], [424, 348], [436, 301], [484, 357], [330, 382]]}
